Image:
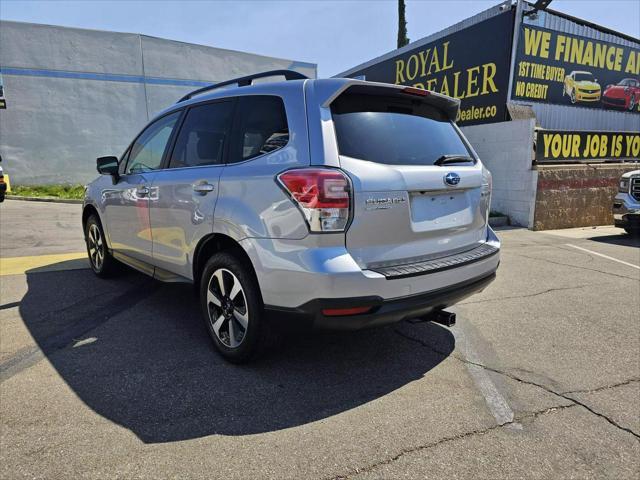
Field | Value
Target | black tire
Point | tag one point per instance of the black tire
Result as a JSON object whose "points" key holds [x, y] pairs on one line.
{"points": [[102, 262], [235, 342]]}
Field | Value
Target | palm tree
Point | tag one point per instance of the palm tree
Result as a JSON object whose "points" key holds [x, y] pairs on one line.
{"points": [[402, 25]]}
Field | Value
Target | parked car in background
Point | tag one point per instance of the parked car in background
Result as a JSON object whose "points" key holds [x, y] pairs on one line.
{"points": [[626, 205], [625, 94], [333, 203], [581, 87]]}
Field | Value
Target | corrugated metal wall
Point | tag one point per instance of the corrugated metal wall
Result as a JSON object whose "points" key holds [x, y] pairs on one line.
{"points": [[568, 117]]}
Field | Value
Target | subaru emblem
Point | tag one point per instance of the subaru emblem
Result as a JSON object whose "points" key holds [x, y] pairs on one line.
{"points": [[452, 179]]}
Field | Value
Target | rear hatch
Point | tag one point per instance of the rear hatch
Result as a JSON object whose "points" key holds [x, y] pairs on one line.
{"points": [[418, 191]]}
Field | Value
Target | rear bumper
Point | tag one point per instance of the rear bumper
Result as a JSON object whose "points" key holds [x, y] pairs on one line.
{"points": [[299, 278], [309, 316]]}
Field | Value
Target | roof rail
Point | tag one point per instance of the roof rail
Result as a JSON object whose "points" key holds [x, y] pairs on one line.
{"points": [[244, 81]]}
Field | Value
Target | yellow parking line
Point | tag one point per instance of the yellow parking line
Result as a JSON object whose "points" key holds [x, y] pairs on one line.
{"points": [[43, 263]]}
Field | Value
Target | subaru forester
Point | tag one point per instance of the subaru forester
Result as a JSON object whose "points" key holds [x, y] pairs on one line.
{"points": [[332, 203]]}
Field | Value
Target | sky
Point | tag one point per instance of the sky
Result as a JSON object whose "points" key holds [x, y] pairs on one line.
{"points": [[335, 34]]}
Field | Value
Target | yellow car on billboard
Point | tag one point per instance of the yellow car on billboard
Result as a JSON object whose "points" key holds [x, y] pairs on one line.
{"points": [[582, 87]]}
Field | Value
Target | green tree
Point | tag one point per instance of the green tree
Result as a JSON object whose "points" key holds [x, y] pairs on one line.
{"points": [[402, 25]]}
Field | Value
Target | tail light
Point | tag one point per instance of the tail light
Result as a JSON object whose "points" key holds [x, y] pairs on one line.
{"points": [[487, 186], [338, 312], [323, 196], [416, 91]]}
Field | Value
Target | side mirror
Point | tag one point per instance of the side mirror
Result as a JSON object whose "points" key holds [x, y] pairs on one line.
{"points": [[108, 166]]}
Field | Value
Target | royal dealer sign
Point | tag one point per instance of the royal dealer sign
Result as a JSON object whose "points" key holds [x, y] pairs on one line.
{"points": [[564, 69], [471, 65]]}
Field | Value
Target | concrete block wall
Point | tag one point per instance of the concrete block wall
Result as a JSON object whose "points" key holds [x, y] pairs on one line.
{"points": [[506, 149], [577, 195], [74, 94]]}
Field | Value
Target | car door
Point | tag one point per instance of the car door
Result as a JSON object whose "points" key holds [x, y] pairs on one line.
{"points": [[127, 202], [187, 188]]}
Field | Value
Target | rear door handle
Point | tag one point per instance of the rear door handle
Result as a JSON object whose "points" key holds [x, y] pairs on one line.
{"points": [[142, 191], [203, 188]]}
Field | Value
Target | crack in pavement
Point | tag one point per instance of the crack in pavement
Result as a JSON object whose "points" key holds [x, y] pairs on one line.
{"points": [[564, 396], [604, 387], [453, 438], [557, 289]]}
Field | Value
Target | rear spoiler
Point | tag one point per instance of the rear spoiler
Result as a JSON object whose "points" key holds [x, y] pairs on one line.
{"points": [[449, 105]]}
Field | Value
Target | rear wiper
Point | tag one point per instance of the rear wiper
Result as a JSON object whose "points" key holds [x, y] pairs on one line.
{"points": [[444, 159]]}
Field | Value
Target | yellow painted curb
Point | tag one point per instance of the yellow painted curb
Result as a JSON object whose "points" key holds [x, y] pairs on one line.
{"points": [[43, 263]]}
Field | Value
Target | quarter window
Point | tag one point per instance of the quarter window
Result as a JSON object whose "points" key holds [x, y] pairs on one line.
{"points": [[203, 135], [148, 149], [262, 126]]}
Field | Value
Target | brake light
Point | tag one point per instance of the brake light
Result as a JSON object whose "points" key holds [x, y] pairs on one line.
{"points": [[322, 194], [416, 91]]}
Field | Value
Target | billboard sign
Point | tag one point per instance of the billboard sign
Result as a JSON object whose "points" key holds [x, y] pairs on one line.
{"points": [[471, 65], [565, 69], [560, 145]]}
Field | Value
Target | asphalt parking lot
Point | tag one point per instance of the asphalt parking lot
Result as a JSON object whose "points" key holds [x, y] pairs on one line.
{"points": [[540, 378]]}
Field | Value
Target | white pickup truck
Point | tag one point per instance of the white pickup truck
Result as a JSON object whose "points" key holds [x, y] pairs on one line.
{"points": [[626, 204]]}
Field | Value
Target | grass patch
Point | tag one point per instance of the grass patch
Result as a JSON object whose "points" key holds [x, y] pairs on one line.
{"points": [[54, 191]]}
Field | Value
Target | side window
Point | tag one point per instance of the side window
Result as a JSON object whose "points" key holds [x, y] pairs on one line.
{"points": [[203, 134], [262, 126], [146, 152]]}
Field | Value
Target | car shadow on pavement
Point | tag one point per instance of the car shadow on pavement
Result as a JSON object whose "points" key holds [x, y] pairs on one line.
{"points": [[137, 352], [623, 239]]}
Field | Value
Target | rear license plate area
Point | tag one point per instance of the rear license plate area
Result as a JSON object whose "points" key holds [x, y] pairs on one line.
{"points": [[431, 211]]}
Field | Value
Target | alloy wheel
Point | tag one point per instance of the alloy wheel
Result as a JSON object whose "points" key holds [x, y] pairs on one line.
{"points": [[227, 308], [95, 246]]}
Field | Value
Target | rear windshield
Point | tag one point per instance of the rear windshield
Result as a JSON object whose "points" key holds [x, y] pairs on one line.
{"points": [[393, 131]]}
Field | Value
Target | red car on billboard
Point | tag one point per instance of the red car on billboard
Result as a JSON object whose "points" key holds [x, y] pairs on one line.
{"points": [[626, 94]]}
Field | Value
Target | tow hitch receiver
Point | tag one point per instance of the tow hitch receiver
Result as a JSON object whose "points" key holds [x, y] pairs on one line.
{"points": [[448, 319]]}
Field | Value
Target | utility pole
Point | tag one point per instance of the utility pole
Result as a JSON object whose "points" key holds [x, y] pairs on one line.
{"points": [[402, 25]]}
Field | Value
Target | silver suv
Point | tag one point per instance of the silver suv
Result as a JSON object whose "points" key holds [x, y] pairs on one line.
{"points": [[333, 203]]}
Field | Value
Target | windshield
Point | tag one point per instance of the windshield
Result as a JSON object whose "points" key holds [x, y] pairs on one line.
{"points": [[394, 131], [583, 77]]}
